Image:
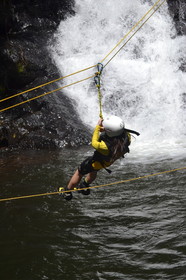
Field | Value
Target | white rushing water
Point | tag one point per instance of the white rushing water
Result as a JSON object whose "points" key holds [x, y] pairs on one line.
{"points": [[143, 84]]}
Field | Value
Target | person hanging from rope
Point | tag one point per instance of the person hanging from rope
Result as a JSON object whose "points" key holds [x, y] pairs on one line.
{"points": [[111, 141]]}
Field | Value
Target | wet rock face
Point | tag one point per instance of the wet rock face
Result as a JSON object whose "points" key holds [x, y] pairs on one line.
{"points": [[25, 28], [177, 9], [47, 122], [43, 125], [22, 16], [50, 121]]}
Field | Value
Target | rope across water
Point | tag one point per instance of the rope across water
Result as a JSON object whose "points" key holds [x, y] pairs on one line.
{"points": [[156, 6], [93, 187]]}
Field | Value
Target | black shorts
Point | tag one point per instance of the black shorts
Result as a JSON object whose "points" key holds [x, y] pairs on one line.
{"points": [[86, 166]]}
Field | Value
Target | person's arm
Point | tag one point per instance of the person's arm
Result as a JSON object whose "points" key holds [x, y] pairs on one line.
{"points": [[100, 146]]}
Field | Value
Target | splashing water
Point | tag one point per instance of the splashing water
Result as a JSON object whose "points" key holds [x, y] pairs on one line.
{"points": [[143, 83]]}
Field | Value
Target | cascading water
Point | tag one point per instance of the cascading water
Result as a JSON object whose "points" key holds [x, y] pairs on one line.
{"points": [[143, 83], [134, 230]]}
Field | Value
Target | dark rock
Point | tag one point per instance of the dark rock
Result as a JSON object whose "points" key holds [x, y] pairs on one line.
{"points": [[55, 125], [50, 121], [177, 9]]}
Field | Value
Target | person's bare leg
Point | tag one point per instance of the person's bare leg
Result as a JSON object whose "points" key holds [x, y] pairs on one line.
{"points": [[91, 177], [84, 186], [75, 180]]}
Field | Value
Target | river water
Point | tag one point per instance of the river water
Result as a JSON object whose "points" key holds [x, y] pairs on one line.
{"points": [[134, 230], [129, 231]]}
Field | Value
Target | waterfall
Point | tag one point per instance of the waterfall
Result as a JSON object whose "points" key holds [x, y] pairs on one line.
{"points": [[143, 84]]}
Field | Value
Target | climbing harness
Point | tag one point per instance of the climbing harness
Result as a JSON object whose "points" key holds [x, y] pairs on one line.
{"points": [[155, 7], [97, 80], [96, 77]]}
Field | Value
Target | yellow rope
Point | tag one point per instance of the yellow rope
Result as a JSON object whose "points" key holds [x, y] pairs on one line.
{"points": [[98, 85], [100, 102], [131, 30], [46, 93], [56, 80], [134, 34], [93, 187], [97, 80], [26, 91]]}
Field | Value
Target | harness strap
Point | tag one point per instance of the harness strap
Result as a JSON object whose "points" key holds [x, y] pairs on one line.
{"points": [[132, 131], [108, 170]]}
